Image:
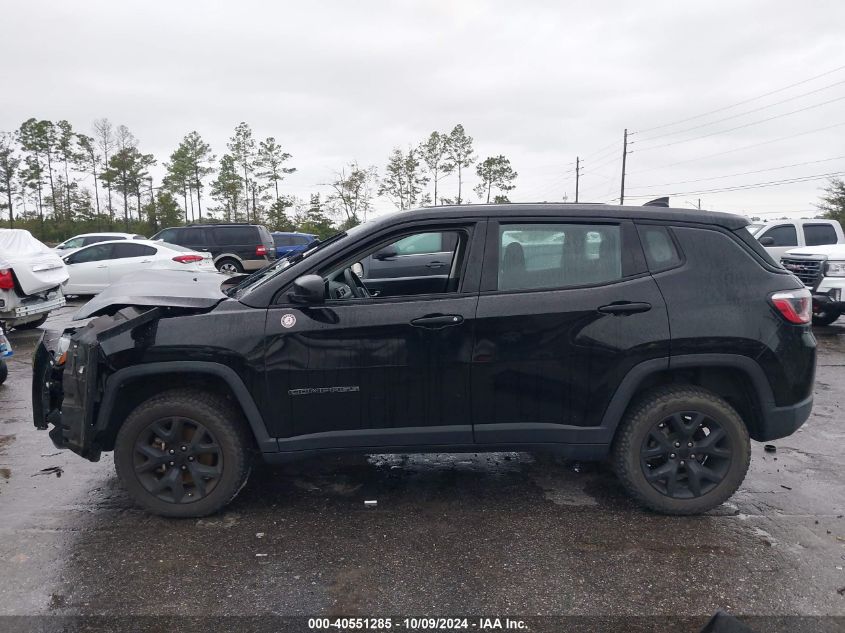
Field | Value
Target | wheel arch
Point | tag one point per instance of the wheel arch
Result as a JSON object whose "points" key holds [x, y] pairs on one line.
{"points": [[737, 379], [127, 388]]}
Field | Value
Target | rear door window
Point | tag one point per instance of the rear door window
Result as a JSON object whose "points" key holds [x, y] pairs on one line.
{"points": [[193, 237], [818, 234], [559, 255], [128, 249]]}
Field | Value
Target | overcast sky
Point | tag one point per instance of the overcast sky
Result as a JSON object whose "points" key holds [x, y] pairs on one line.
{"points": [[540, 82]]}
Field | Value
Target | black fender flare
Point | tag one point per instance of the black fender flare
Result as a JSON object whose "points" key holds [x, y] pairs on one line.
{"points": [[637, 375], [121, 377]]}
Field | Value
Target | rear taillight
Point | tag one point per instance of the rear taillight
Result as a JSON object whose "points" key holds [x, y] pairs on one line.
{"points": [[261, 251], [7, 282], [796, 306], [188, 259]]}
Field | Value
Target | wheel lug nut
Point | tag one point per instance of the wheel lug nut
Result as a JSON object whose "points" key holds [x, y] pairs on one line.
{"points": [[191, 458], [689, 444], [172, 463], [682, 462], [677, 444], [672, 456], [692, 456], [184, 467], [184, 448], [172, 452], [661, 425]]}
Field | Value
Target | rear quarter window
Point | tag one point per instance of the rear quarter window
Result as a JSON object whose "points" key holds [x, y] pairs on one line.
{"points": [[659, 248], [238, 235]]}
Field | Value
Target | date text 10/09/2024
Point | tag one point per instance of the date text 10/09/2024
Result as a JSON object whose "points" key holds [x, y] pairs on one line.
{"points": [[416, 624]]}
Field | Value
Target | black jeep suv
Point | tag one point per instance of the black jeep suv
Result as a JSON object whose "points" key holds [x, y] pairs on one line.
{"points": [[662, 338], [235, 248]]}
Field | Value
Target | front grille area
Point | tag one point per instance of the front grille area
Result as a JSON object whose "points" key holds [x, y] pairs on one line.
{"points": [[807, 270]]}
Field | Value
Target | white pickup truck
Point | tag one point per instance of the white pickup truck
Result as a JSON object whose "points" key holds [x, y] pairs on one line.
{"points": [[780, 236], [31, 278], [822, 270]]}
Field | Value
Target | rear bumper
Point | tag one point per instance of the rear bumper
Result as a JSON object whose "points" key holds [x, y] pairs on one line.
{"points": [[783, 421], [14, 313]]}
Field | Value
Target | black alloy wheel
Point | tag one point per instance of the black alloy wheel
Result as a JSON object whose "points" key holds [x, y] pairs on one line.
{"points": [[685, 455], [177, 460]]}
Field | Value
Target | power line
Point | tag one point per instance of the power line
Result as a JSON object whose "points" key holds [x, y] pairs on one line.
{"points": [[742, 173], [739, 103], [741, 114], [740, 127], [739, 149], [758, 185]]}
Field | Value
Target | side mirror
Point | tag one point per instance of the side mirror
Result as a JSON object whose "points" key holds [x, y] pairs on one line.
{"points": [[308, 289], [767, 241], [385, 253]]}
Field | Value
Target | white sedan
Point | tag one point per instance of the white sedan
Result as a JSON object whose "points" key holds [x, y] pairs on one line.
{"points": [[93, 268]]}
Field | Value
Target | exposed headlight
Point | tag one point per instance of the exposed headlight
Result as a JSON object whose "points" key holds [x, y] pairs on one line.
{"points": [[835, 269]]}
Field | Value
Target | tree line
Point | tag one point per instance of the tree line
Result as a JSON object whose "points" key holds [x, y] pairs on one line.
{"points": [[57, 181]]}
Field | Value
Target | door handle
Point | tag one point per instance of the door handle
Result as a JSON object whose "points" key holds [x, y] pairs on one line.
{"points": [[435, 265], [438, 321], [146, 261], [625, 307], [102, 266]]}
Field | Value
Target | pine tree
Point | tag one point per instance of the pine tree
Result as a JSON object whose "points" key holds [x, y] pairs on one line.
{"points": [[461, 153], [495, 172], [242, 148], [270, 163], [434, 152], [9, 164]]}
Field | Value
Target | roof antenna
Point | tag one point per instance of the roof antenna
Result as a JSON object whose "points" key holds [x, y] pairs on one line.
{"points": [[658, 202]]}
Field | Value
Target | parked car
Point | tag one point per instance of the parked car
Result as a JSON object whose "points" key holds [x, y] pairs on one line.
{"points": [[288, 244], [235, 248], [670, 349], [783, 235], [31, 275], [85, 239], [822, 270], [92, 269]]}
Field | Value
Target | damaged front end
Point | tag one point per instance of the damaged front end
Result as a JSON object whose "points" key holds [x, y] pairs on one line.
{"points": [[70, 370]]}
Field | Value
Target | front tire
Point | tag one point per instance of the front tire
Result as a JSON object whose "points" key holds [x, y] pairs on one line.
{"points": [[681, 450], [184, 453], [826, 316]]}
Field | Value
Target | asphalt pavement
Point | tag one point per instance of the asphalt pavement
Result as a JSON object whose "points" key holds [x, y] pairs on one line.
{"points": [[505, 534]]}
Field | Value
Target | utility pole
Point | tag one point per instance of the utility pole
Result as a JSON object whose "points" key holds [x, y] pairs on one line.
{"points": [[577, 175], [624, 156]]}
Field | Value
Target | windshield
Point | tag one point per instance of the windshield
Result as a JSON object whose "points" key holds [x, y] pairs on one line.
{"points": [[267, 273]]}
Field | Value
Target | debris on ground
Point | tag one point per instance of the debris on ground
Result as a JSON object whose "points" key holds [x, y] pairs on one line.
{"points": [[786, 487], [370, 503], [770, 448], [52, 470]]}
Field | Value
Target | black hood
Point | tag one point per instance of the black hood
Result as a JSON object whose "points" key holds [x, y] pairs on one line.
{"points": [[158, 288]]}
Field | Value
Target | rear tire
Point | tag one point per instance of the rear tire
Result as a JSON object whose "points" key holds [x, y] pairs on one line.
{"points": [[230, 266], [681, 450], [31, 325], [826, 316], [184, 453]]}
